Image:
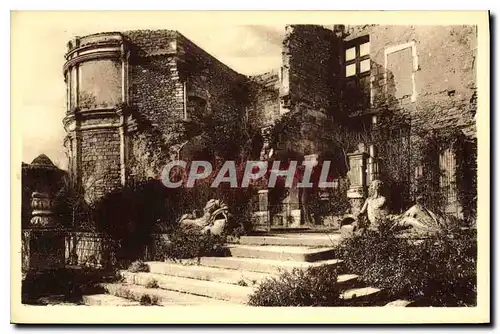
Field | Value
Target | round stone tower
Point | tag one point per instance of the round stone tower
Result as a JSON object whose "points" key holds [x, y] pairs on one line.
{"points": [[96, 119]]}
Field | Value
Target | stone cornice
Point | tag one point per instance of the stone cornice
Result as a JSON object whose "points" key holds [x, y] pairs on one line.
{"points": [[92, 56]]}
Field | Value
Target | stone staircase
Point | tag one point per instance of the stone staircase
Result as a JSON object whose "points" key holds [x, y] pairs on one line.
{"points": [[231, 280]]}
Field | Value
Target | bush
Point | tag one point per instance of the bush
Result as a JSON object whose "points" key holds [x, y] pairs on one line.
{"points": [[310, 287], [152, 284], [182, 244], [437, 271], [128, 216], [147, 300], [138, 266], [72, 284]]}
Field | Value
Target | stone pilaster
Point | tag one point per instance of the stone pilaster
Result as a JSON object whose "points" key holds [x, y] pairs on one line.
{"points": [[358, 180]]}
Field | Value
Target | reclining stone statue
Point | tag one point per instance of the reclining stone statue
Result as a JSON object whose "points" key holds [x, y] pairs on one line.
{"points": [[214, 219], [417, 221]]}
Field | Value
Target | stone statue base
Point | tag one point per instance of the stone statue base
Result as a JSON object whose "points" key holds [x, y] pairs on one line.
{"points": [[42, 250]]}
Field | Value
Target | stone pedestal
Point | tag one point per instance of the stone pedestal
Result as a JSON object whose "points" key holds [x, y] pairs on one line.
{"points": [[43, 245], [291, 209], [42, 249], [358, 183], [261, 217], [43, 241]]}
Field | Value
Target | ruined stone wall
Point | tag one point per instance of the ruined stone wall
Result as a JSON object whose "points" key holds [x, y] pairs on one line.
{"points": [[173, 82], [264, 106], [310, 84], [311, 58], [155, 89], [218, 88]]}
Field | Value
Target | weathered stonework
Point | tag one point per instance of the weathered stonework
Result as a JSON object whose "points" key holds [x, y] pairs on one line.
{"points": [[311, 56], [427, 75], [264, 107], [135, 98], [443, 61], [132, 97]]}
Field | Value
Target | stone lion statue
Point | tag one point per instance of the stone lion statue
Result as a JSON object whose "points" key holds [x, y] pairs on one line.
{"points": [[214, 219]]}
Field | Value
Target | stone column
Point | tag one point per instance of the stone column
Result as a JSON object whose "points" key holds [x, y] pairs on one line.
{"points": [[373, 168], [262, 220], [358, 183]]}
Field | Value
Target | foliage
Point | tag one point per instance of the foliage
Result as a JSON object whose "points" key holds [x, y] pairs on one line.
{"points": [[152, 284], [466, 178], [314, 286], [340, 137], [148, 300], [186, 244], [71, 283], [409, 161], [138, 266], [333, 203], [438, 271], [242, 282], [239, 200], [129, 216], [228, 136]]}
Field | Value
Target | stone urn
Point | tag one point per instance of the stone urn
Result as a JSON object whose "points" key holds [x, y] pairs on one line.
{"points": [[42, 210]]}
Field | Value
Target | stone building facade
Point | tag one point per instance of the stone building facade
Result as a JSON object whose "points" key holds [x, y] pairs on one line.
{"points": [[133, 96]]}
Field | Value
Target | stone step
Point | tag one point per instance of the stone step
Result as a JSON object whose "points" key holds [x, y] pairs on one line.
{"points": [[108, 300], [366, 296], [220, 291], [282, 253], [400, 303], [229, 276], [264, 265], [299, 239], [348, 281], [221, 275], [155, 296]]}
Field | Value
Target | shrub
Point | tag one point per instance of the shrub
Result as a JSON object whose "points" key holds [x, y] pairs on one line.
{"points": [[147, 300], [183, 244], [309, 287], [437, 271], [335, 204], [128, 216], [70, 283], [152, 284], [138, 266], [242, 282]]}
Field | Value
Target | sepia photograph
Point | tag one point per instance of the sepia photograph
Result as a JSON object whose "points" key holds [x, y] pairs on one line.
{"points": [[248, 163]]}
